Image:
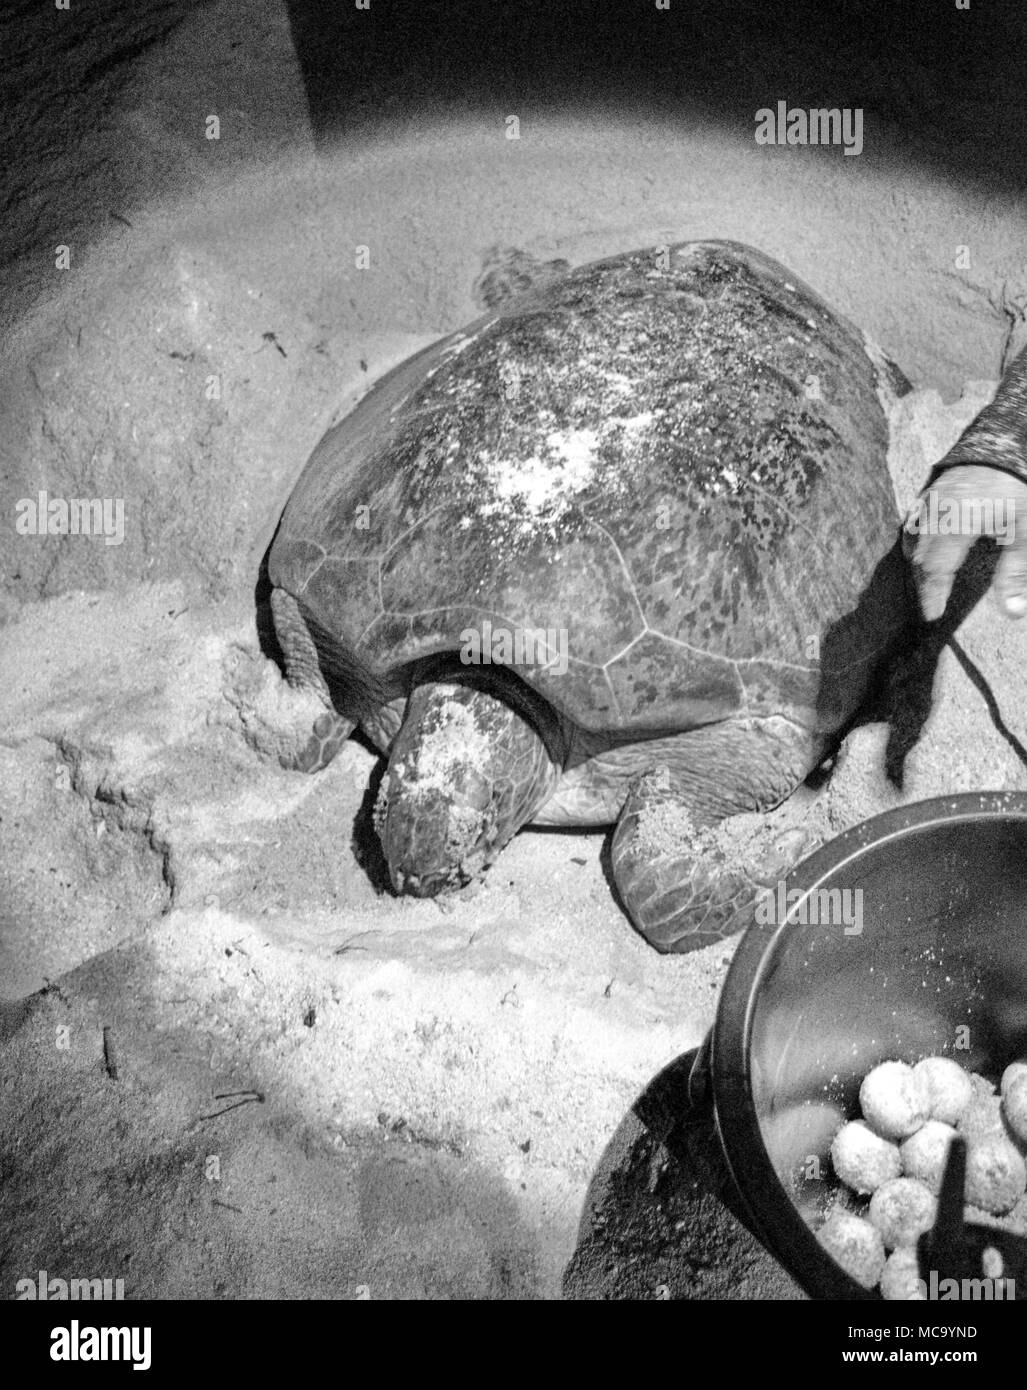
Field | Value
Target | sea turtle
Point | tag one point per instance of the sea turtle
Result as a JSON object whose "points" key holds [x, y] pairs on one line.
{"points": [[623, 551]]}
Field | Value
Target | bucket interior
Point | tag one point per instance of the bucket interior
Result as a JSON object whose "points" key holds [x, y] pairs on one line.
{"points": [[924, 952]]}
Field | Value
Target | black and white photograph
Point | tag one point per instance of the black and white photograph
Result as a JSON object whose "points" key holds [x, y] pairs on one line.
{"points": [[513, 717]]}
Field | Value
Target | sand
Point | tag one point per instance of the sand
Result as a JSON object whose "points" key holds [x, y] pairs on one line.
{"points": [[318, 1089]]}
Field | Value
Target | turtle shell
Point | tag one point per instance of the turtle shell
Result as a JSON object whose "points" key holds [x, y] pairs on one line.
{"points": [[672, 462]]}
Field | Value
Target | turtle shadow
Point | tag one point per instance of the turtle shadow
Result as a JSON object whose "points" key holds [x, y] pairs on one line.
{"points": [[662, 1218], [606, 867], [267, 638], [364, 840], [901, 695], [885, 617], [905, 697]]}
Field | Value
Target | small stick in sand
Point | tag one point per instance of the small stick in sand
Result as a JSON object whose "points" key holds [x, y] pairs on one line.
{"points": [[110, 1054], [247, 1096]]}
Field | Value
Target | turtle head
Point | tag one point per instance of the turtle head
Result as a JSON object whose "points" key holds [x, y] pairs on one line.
{"points": [[465, 773]]}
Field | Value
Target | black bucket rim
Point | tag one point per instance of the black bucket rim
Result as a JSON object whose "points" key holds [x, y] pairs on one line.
{"points": [[775, 1218]]}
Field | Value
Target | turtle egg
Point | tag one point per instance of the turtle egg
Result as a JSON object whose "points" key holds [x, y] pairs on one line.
{"points": [[1016, 1218], [895, 1100], [1016, 1071], [901, 1276], [925, 1152], [982, 1118], [902, 1210], [948, 1085], [995, 1174], [983, 1088], [862, 1159], [855, 1245], [1014, 1107]]}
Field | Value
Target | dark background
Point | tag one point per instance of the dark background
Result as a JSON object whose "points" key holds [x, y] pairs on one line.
{"points": [[950, 80], [923, 66]]}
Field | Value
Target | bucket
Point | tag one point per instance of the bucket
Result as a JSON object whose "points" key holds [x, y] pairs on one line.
{"points": [[930, 958]]}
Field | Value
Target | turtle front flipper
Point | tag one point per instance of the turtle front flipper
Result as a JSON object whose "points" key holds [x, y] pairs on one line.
{"points": [[466, 771], [303, 667], [687, 880], [329, 733]]}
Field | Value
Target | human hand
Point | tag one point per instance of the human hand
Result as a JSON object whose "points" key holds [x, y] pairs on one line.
{"points": [[969, 501]]}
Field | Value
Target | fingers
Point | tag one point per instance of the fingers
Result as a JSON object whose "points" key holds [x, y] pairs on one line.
{"points": [[936, 561], [967, 502], [1011, 581]]}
